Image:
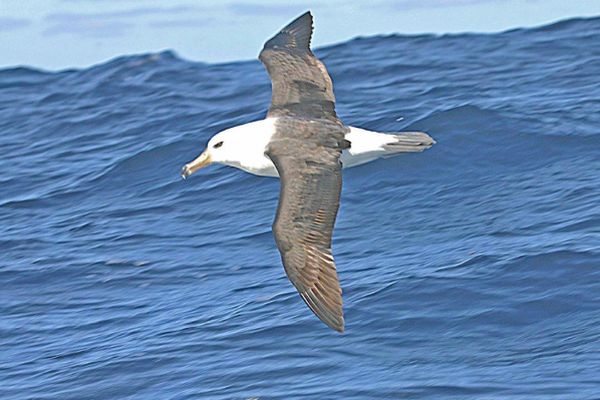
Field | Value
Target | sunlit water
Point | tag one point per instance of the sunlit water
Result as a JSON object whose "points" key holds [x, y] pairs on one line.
{"points": [[470, 271]]}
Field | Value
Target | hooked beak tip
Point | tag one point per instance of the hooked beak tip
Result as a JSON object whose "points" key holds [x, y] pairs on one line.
{"points": [[185, 172], [202, 161]]}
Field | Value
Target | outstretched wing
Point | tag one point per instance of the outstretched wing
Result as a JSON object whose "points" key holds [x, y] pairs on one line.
{"points": [[306, 155], [300, 83]]}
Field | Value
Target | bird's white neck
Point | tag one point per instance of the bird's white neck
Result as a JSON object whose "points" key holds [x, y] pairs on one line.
{"points": [[245, 145]]}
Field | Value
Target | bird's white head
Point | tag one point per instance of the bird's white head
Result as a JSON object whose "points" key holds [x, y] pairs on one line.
{"points": [[242, 146], [217, 151]]}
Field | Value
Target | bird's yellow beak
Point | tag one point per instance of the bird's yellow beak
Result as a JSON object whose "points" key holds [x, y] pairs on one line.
{"points": [[202, 161]]}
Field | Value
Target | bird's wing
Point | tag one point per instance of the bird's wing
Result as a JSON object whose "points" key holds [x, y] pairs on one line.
{"points": [[300, 83], [306, 155]]}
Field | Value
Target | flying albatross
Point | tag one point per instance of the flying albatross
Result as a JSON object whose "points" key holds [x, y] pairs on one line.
{"points": [[303, 142]]}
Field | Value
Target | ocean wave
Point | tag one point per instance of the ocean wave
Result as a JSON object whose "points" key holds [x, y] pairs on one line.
{"points": [[464, 268]]}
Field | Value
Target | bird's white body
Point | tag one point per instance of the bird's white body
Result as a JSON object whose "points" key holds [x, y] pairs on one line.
{"points": [[244, 147]]}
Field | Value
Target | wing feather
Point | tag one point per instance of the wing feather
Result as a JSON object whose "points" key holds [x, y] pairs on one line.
{"points": [[306, 154], [300, 83]]}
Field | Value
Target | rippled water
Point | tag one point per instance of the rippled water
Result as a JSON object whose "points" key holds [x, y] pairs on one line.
{"points": [[470, 271]]}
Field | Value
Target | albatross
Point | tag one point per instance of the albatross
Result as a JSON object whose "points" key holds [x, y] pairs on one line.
{"points": [[304, 143]]}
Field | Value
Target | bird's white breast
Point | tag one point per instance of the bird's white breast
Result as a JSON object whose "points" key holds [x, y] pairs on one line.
{"points": [[251, 141]]}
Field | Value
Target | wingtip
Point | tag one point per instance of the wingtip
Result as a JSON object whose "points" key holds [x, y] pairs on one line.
{"points": [[337, 326], [306, 14], [340, 328], [303, 19], [333, 317], [295, 35], [337, 323]]}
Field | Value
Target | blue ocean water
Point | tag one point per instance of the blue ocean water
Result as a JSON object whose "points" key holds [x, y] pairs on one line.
{"points": [[470, 271]]}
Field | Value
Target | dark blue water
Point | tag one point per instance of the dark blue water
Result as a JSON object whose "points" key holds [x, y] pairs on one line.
{"points": [[470, 271]]}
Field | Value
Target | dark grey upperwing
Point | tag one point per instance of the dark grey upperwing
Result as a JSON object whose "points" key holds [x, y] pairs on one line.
{"points": [[300, 83], [306, 155]]}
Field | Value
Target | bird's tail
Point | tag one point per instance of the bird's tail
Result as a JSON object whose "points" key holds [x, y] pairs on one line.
{"points": [[408, 142]]}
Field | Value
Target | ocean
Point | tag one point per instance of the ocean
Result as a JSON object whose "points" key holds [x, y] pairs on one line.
{"points": [[470, 271]]}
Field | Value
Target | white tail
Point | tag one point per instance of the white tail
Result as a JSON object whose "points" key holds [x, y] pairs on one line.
{"points": [[367, 145]]}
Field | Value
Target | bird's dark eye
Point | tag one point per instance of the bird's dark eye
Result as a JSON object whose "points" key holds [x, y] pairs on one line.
{"points": [[217, 145]]}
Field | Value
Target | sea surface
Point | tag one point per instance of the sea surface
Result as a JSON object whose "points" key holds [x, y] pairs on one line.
{"points": [[470, 271]]}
